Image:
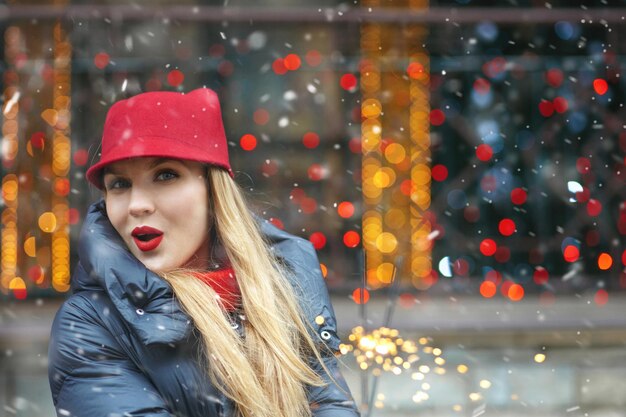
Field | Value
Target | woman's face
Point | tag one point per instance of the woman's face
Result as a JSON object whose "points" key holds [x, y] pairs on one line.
{"points": [[160, 207]]}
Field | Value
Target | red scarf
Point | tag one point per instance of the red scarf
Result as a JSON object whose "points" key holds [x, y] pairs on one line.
{"points": [[225, 285]]}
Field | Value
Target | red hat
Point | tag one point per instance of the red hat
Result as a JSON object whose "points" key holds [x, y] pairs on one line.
{"points": [[164, 124]]}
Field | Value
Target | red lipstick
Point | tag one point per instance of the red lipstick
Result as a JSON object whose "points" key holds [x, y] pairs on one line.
{"points": [[147, 238]]}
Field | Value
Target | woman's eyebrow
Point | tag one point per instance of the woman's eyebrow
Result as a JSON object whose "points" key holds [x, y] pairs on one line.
{"points": [[159, 161], [109, 170]]}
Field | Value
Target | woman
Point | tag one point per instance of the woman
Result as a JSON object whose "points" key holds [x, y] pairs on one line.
{"points": [[183, 302]]}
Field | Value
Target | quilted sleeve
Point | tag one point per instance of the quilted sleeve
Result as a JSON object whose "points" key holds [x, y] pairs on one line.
{"points": [[89, 373]]}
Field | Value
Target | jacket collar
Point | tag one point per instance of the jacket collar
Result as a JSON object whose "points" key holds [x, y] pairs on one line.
{"points": [[143, 299], [146, 301]]}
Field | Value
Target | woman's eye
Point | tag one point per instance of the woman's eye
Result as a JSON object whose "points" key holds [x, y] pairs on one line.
{"points": [[117, 184], [166, 175]]}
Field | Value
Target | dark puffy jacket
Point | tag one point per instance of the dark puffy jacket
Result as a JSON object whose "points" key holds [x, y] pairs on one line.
{"points": [[122, 346]]}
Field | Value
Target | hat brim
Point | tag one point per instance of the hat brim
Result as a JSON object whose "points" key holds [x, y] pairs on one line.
{"points": [[152, 147]]}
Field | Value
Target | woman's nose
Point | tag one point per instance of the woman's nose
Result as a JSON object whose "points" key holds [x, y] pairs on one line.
{"points": [[141, 202]]}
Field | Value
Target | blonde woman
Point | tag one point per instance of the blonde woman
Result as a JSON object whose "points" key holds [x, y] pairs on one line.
{"points": [[184, 303]]}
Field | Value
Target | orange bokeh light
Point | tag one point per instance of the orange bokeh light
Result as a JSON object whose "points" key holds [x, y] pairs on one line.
{"points": [[361, 298], [345, 209], [571, 253], [516, 292], [292, 62], [324, 270], [605, 261], [487, 289]]}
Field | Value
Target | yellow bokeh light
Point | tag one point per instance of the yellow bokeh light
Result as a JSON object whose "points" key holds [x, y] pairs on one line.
{"points": [[540, 358], [421, 266], [17, 283], [9, 188], [475, 396], [381, 179], [30, 247], [462, 369], [60, 286], [485, 384], [420, 174], [47, 222], [395, 218], [371, 108], [384, 272], [386, 242], [395, 153], [51, 116]]}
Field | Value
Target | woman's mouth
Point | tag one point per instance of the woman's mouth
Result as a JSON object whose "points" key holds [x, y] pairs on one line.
{"points": [[147, 238]]}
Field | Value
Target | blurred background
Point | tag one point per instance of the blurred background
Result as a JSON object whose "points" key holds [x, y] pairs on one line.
{"points": [[457, 164]]}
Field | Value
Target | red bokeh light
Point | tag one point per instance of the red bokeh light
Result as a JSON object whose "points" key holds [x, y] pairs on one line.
{"points": [[506, 227], [292, 62], [592, 238], [348, 82], [484, 152], [482, 86], [74, 216], [601, 297], [351, 239], [101, 60], [540, 276], [35, 273], [318, 239], [311, 140], [583, 165], [20, 293], [269, 167], [437, 117], [37, 140], [175, 78], [554, 77], [308, 205], [560, 104], [471, 214], [416, 71], [494, 276], [81, 157], [488, 247], [406, 187], [248, 142], [594, 207], [546, 108], [439, 172], [315, 172], [277, 222], [600, 86], [261, 117], [278, 66], [503, 254], [355, 145], [313, 58], [518, 196], [461, 267], [62, 187]]}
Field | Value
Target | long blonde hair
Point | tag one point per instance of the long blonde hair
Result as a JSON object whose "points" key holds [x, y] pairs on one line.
{"points": [[265, 373]]}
